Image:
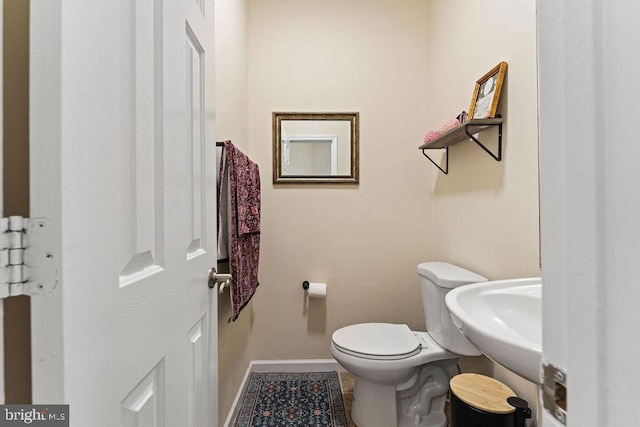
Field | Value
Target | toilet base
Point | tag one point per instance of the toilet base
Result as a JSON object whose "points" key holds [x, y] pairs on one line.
{"points": [[420, 404], [374, 404]]}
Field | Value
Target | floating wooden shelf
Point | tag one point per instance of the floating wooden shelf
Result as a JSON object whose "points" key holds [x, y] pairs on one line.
{"points": [[462, 132]]}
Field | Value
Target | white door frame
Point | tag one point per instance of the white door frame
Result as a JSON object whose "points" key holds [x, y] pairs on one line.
{"points": [[287, 140], [46, 348], [590, 205], [2, 385]]}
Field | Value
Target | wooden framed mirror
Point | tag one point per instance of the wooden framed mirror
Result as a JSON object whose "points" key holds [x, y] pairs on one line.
{"points": [[315, 148]]}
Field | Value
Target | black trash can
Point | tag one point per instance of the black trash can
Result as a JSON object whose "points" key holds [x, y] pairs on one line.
{"points": [[481, 401]]}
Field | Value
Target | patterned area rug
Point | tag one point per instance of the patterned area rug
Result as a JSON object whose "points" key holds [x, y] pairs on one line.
{"points": [[292, 399]]}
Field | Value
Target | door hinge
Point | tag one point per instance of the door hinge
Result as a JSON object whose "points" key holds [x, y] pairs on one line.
{"points": [[27, 256], [554, 391]]}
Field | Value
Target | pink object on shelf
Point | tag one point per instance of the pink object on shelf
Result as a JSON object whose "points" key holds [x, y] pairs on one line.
{"points": [[431, 135], [448, 124]]}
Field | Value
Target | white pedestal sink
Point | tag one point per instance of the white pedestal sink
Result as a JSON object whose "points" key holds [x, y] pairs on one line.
{"points": [[503, 319]]}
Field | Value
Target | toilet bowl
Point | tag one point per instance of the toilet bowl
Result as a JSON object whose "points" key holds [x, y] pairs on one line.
{"points": [[402, 376]]}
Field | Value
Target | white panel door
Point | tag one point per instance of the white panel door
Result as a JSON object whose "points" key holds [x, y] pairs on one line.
{"points": [[122, 160], [589, 183]]}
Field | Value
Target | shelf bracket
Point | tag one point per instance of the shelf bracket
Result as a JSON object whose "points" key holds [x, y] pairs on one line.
{"points": [[446, 169], [497, 157]]}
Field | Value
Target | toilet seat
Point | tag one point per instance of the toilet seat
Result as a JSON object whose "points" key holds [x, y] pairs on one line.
{"points": [[378, 341]]}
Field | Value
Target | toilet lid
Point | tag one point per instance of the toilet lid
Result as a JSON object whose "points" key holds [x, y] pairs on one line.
{"points": [[377, 341]]}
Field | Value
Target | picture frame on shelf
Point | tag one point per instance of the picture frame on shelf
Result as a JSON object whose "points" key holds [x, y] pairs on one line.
{"points": [[486, 94]]}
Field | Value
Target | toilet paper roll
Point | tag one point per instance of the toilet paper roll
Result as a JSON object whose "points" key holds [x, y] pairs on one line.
{"points": [[317, 290]]}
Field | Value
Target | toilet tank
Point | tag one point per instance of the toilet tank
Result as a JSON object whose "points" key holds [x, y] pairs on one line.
{"points": [[436, 279]]}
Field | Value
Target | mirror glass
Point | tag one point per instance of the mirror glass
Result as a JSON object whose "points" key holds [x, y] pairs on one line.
{"points": [[315, 148]]}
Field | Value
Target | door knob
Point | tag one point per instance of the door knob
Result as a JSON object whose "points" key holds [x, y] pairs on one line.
{"points": [[215, 277]]}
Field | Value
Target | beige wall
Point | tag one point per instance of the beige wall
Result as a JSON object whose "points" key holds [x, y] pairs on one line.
{"points": [[365, 241], [485, 213], [405, 66], [231, 123]]}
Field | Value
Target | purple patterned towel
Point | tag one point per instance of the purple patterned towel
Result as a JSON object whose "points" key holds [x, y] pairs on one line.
{"points": [[240, 185], [248, 195]]}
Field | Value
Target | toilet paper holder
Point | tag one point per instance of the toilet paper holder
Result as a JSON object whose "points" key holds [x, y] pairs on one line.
{"points": [[314, 290]]}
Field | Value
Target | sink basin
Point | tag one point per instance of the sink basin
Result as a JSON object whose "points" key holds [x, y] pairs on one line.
{"points": [[503, 319]]}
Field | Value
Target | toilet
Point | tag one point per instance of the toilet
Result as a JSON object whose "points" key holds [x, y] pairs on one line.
{"points": [[402, 376]]}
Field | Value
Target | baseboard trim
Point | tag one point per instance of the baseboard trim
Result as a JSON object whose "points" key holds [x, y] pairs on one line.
{"points": [[233, 411], [293, 365]]}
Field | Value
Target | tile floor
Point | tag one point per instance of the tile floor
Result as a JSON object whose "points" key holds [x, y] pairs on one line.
{"points": [[347, 381]]}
